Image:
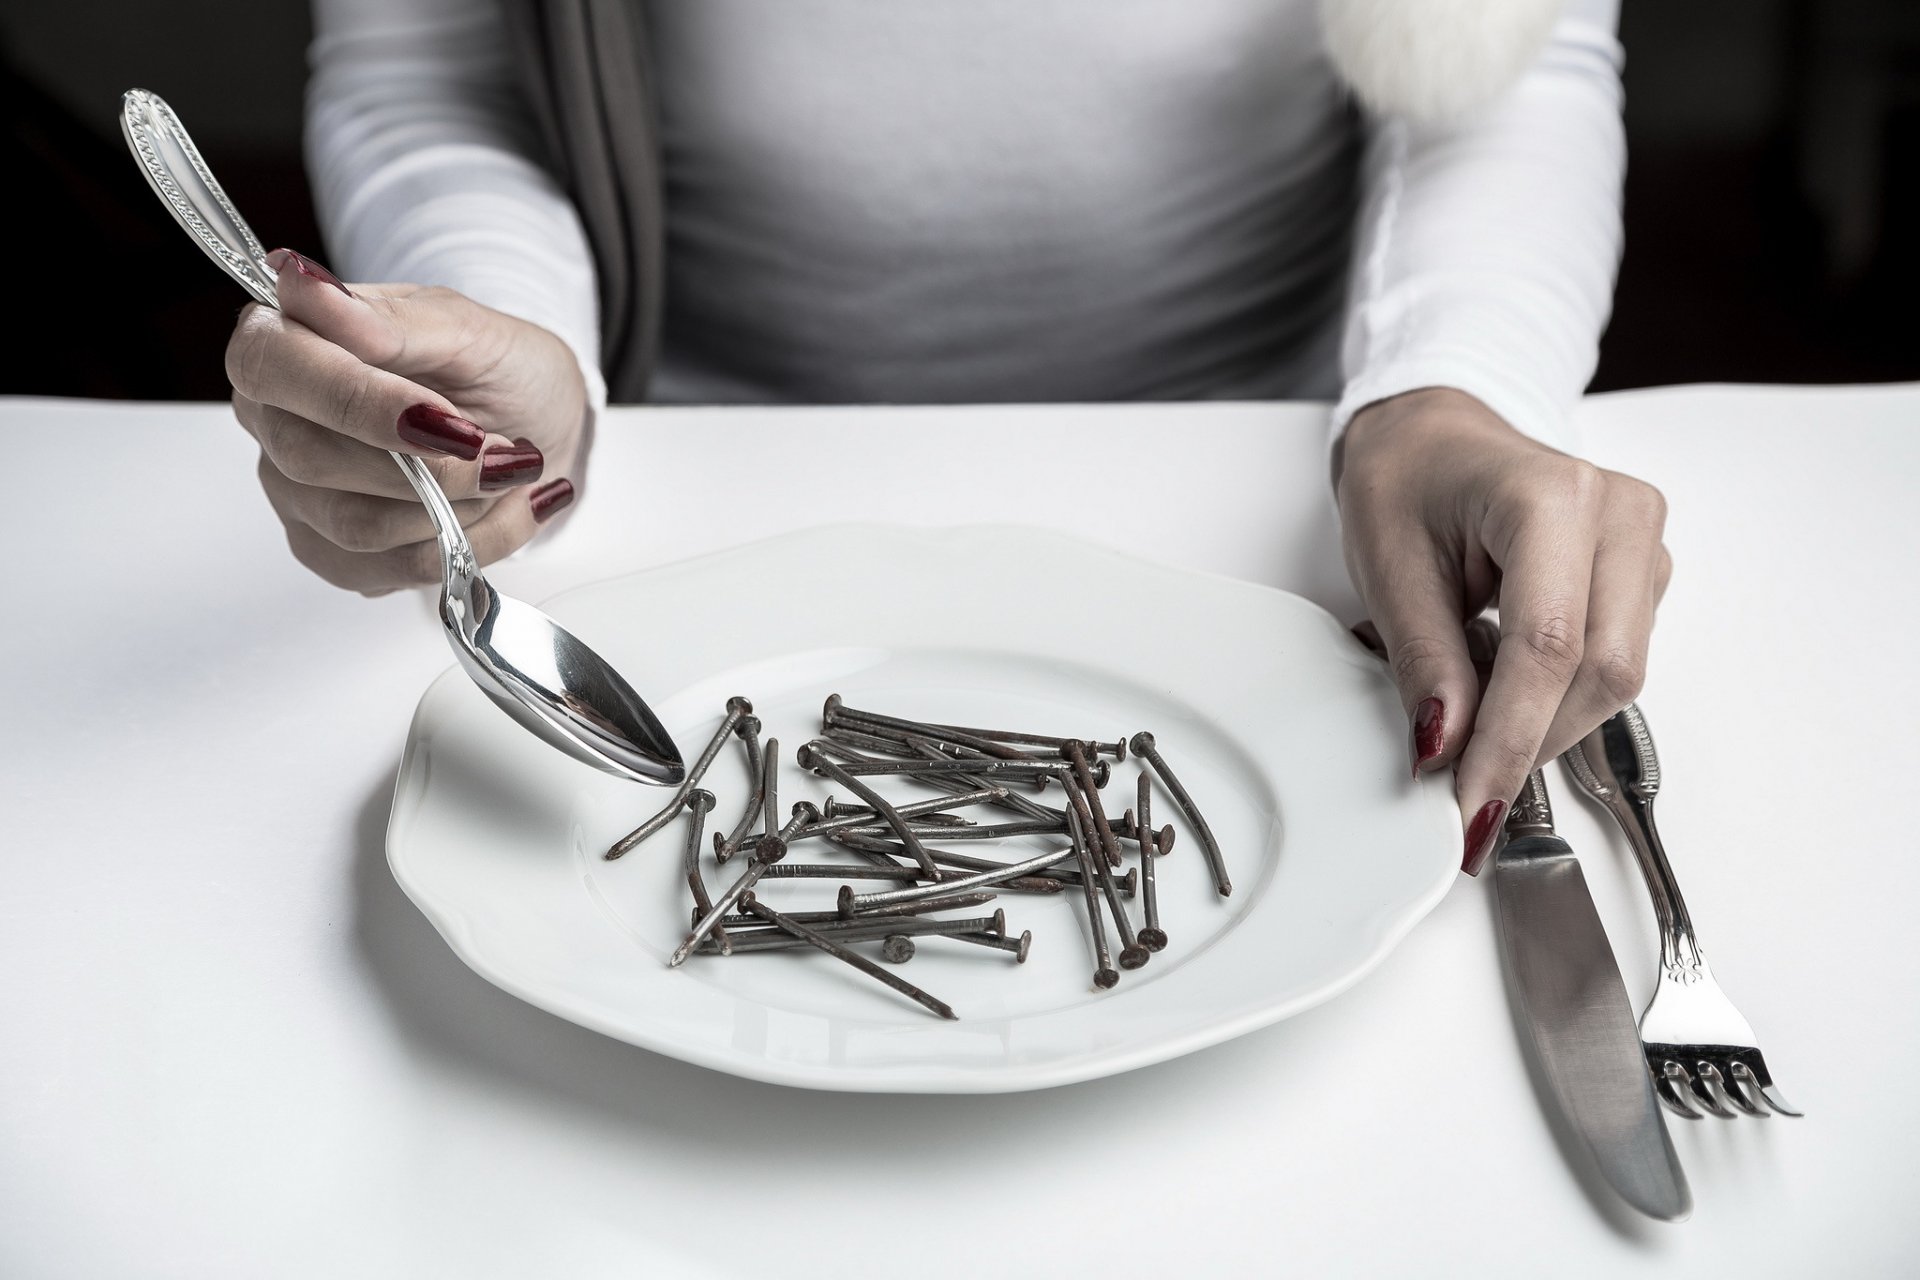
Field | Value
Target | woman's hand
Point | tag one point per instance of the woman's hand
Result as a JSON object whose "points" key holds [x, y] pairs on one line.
{"points": [[1446, 509], [335, 379]]}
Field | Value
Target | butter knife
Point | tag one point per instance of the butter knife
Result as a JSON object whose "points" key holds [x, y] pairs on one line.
{"points": [[1567, 987]]}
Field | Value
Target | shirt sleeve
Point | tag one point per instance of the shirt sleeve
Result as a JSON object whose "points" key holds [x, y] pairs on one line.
{"points": [[425, 166], [1486, 251]]}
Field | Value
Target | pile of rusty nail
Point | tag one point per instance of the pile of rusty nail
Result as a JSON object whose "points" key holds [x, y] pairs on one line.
{"points": [[971, 767]]}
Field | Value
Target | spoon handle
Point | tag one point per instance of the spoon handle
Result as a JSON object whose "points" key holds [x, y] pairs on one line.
{"points": [[179, 175]]}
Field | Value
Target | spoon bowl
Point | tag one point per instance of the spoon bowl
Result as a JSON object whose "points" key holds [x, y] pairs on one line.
{"points": [[534, 669]]}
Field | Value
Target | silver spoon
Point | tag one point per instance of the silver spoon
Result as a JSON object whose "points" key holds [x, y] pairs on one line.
{"points": [[533, 668]]}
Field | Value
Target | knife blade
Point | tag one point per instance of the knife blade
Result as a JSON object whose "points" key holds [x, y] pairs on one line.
{"points": [[1567, 986]]}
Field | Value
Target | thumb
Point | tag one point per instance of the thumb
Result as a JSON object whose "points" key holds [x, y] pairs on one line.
{"points": [[390, 327]]}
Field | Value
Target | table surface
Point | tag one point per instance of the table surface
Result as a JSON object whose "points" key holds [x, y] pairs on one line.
{"points": [[229, 1046]]}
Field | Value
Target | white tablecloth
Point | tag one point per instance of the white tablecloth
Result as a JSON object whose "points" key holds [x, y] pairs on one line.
{"points": [[229, 1046]]}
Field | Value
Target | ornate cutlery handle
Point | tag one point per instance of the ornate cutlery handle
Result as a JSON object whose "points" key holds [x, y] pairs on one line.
{"points": [[182, 179], [1617, 765]]}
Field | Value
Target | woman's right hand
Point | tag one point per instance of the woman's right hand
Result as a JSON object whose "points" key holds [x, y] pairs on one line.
{"points": [[336, 378]]}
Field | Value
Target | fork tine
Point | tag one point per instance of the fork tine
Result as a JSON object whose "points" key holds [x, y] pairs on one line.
{"points": [[1671, 1086], [1751, 1082], [1696, 1093], [1708, 1081], [1735, 1082]]}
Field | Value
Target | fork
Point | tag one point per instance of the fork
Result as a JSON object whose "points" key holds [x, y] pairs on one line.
{"points": [[1701, 1051]]}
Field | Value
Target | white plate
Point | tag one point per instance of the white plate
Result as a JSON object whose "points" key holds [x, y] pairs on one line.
{"points": [[1289, 737]]}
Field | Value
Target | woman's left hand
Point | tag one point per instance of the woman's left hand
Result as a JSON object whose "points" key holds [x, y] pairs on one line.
{"points": [[1445, 509]]}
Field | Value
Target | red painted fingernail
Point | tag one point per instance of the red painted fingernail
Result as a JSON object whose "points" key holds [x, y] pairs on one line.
{"points": [[305, 266], [1429, 730], [549, 498], [430, 428], [1480, 834], [504, 466]]}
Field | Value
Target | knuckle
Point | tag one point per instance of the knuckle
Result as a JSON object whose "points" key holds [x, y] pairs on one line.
{"points": [[416, 564], [1513, 757], [1417, 660], [1554, 641], [1580, 485], [1652, 503], [292, 446], [1620, 673], [311, 550], [247, 350], [353, 522], [346, 401]]}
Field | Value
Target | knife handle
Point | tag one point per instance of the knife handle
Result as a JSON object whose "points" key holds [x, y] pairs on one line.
{"points": [[1532, 812]]}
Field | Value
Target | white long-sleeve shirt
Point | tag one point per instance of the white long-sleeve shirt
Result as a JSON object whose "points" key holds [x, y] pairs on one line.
{"points": [[973, 199]]}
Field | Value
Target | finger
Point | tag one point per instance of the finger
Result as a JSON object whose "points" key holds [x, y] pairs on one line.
{"points": [[405, 329], [274, 359], [311, 454], [1414, 594], [1548, 572], [507, 524], [441, 338], [1628, 573], [357, 521]]}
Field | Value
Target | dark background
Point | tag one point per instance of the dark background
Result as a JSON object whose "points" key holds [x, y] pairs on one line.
{"points": [[1774, 165]]}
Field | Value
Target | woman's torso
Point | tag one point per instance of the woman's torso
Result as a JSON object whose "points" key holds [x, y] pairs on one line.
{"points": [[957, 200]]}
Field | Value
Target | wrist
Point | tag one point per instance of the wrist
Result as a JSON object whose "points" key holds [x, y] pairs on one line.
{"points": [[1434, 414]]}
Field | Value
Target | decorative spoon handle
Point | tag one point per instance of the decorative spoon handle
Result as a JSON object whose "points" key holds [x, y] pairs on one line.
{"points": [[179, 175]]}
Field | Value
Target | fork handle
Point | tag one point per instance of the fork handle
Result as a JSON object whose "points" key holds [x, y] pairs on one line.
{"points": [[1679, 949]]}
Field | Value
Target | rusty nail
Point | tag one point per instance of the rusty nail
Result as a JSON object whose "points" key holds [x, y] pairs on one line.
{"points": [[859, 929], [897, 949], [1086, 799], [1118, 750], [834, 816], [931, 905], [851, 902], [1018, 946], [1152, 936], [770, 787], [725, 848], [890, 746], [1143, 746], [737, 708], [1104, 974], [860, 962], [812, 758], [836, 710], [985, 768], [1132, 954], [767, 850], [700, 802], [1067, 875], [829, 871], [992, 831]]}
